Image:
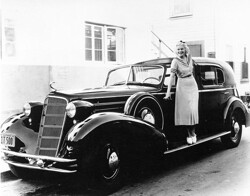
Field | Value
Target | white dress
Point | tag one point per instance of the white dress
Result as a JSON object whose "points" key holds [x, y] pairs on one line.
{"points": [[187, 95]]}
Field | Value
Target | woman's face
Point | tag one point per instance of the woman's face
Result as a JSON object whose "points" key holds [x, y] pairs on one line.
{"points": [[181, 51]]}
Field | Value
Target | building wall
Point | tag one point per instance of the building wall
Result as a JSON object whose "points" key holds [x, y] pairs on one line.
{"points": [[45, 40], [220, 25], [20, 84]]}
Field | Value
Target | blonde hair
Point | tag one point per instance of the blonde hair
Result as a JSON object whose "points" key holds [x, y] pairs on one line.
{"points": [[182, 43]]}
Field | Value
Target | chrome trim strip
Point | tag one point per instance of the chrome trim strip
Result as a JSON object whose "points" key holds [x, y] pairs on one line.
{"points": [[55, 115], [216, 89], [42, 157], [51, 137], [49, 149], [54, 126], [108, 109], [200, 91], [110, 103], [24, 165], [198, 142]]}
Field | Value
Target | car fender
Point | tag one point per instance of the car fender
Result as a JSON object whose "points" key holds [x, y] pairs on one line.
{"points": [[129, 131], [81, 129], [14, 125], [235, 102]]}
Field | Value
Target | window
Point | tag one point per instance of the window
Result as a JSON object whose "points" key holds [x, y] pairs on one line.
{"points": [[93, 43], [147, 74], [211, 76], [196, 48], [179, 8], [220, 76], [244, 71], [104, 43], [111, 44]]}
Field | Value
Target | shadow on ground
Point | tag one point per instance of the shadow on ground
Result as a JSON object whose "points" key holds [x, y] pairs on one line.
{"points": [[65, 185]]}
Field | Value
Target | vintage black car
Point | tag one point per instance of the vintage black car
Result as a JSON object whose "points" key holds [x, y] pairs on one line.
{"points": [[103, 131]]}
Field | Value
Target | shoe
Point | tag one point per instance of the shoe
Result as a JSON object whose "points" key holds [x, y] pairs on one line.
{"points": [[189, 140], [194, 139]]}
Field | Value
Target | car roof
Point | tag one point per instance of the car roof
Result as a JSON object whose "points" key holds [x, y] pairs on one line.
{"points": [[202, 61], [157, 61]]}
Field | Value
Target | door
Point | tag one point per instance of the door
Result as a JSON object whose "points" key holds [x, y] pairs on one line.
{"points": [[212, 98]]}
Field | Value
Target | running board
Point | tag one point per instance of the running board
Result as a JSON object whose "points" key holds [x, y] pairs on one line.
{"points": [[199, 141]]}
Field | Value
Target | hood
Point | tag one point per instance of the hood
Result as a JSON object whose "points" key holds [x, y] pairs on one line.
{"points": [[103, 92]]}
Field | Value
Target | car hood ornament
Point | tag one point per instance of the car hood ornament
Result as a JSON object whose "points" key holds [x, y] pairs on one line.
{"points": [[51, 86]]}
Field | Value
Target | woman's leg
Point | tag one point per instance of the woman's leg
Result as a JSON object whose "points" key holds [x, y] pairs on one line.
{"points": [[191, 134], [194, 138], [189, 131], [192, 131]]}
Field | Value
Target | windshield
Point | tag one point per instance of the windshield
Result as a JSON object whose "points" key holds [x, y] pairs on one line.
{"points": [[147, 74]]}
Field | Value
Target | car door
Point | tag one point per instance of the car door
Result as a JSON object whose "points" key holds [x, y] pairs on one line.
{"points": [[212, 98]]}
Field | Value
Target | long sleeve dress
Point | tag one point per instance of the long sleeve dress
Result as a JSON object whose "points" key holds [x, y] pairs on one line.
{"points": [[187, 95]]}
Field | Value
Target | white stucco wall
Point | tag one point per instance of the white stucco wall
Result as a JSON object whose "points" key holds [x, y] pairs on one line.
{"points": [[49, 39]]}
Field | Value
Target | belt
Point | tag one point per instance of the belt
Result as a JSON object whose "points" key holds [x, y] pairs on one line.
{"points": [[187, 76]]}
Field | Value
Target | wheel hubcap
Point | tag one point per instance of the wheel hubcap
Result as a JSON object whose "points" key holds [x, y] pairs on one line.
{"points": [[112, 164], [148, 116], [113, 161], [236, 127]]}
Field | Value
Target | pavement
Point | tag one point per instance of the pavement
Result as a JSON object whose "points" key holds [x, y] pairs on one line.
{"points": [[3, 166]]}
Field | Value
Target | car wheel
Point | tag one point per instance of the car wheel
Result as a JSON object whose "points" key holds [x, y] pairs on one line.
{"points": [[148, 109], [110, 167], [234, 124]]}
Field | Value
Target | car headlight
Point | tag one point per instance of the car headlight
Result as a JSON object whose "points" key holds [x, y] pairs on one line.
{"points": [[27, 109], [71, 110], [79, 109]]}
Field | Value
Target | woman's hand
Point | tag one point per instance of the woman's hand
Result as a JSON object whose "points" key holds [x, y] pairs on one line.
{"points": [[167, 96]]}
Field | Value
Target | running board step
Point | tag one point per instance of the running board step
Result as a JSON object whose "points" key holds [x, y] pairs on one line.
{"points": [[199, 141]]}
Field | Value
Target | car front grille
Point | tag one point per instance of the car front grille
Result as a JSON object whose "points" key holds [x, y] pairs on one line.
{"points": [[51, 126]]}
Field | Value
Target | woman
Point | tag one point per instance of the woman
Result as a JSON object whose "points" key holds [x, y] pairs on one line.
{"points": [[187, 95]]}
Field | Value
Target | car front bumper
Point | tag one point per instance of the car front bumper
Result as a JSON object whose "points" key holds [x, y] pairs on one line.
{"points": [[38, 162]]}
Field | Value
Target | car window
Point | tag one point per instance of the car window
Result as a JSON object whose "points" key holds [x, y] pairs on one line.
{"points": [[220, 76], [143, 74], [211, 76], [146, 74], [118, 76]]}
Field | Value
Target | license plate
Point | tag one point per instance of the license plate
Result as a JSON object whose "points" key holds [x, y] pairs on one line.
{"points": [[8, 140]]}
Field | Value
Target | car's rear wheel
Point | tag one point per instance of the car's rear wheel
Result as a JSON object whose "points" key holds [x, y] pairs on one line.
{"points": [[234, 123]]}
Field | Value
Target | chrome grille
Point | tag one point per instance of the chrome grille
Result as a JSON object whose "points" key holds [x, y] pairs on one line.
{"points": [[51, 127]]}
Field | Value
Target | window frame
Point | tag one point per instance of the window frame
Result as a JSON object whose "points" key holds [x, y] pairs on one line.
{"points": [[119, 47], [200, 43], [93, 39], [174, 3], [215, 69], [244, 72]]}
